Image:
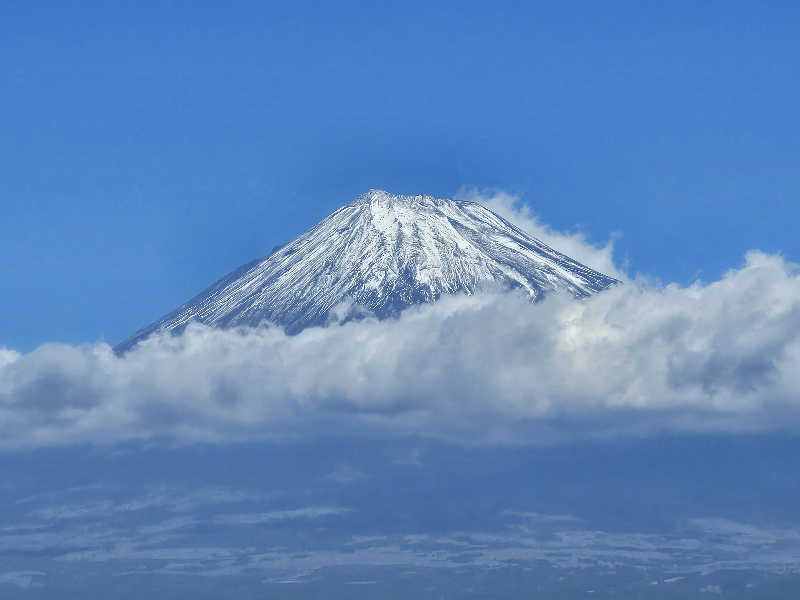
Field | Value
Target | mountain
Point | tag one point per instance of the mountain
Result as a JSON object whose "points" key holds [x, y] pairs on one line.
{"points": [[383, 252]]}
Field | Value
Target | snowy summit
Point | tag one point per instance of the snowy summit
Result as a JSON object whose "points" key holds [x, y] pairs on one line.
{"points": [[383, 252]]}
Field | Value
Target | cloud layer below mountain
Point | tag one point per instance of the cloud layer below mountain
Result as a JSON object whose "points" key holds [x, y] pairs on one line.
{"points": [[492, 368]]}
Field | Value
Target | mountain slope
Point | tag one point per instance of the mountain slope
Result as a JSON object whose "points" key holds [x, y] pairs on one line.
{"points": [[383, 252]]}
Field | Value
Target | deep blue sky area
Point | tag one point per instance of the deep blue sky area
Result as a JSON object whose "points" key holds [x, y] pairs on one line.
{"points": [[149, 148]]}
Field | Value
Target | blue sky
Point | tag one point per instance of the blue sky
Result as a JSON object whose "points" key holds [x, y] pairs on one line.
{"points": [[483, 444], [149, 149]]}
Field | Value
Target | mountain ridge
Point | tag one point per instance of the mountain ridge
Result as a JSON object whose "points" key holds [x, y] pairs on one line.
{"points": [[383, 252]]}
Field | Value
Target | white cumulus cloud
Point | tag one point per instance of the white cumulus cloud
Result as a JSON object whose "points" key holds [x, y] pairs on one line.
{"points": [[8, 356], [636, 359]]}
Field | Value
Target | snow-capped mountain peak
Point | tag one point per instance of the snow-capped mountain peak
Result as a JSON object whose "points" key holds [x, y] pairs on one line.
{"points": [[383, 252]]}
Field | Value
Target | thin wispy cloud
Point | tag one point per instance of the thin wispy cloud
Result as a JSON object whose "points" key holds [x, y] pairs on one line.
{"points": [[313, 512], [573, 244]]}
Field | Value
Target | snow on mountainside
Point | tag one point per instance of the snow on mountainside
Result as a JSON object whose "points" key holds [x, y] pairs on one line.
{"points": [[384, 252]]}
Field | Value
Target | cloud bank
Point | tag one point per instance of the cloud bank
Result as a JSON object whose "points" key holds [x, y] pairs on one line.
{"points": [[492, 368]]}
